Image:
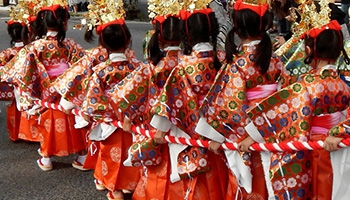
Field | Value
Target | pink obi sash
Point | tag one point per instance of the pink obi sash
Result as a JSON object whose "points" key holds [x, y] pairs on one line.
{"points": [[200, 98], [261, 91], [322, 124], [56, 70]]}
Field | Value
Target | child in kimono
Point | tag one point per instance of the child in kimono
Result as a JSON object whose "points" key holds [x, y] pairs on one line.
{"points": [[20, 125], [113, 143], [34, 69], [303, 111], [193, 170], [136, 95], [14, 29], [251, 73]]}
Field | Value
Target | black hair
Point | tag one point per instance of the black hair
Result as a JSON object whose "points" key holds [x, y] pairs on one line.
{"points": [[248, 24], [115, 37], [47, 19], [329, 46], [29, 36], [15, 32], [200, 28], [166, 32], [89, 35]]}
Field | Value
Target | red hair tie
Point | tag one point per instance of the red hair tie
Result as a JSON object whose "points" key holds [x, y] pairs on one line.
{"points": [[53, 8], [258, 9], [101, 27], [332, 25], [313, 33], [161, 19], [184, 14], [10, 22], [31, 19]]}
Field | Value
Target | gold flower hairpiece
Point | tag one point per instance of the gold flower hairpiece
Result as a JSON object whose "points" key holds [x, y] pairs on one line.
{"points": [[28, 9], [191, 5], [309, 18], [253, 2], [45, 3], [17, 14], [102, 12], [163, 8]]}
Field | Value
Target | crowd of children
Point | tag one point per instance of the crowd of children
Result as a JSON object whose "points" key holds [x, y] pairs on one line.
{"points": [[203, 80]]}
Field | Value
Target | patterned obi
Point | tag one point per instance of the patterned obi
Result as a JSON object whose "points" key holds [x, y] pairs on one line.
{"points": [[261, 91], [56, 70], [321, 124]]}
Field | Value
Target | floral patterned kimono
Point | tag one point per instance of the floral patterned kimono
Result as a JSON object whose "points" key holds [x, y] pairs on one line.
{"points": [[178, 111], [301, 112], [6, 92], [135, 96], [7, 54], [138, 92], [32, 71], [19, 124], [238, 86], [114, 142], [72, 85]]}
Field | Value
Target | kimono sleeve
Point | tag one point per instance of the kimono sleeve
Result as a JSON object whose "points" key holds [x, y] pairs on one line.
{"points": [[284, 116], [4, 56], [77, 51], [177, 102], [131, 94], [96, 102], [225, 104], [72, 84], [22, 71]]}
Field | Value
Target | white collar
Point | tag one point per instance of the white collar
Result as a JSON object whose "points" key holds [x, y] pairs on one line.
{"points": [[19, 44], [332, 67], [169, 48], [252, 43], [51, 33], [203, 46], [117, 57]]}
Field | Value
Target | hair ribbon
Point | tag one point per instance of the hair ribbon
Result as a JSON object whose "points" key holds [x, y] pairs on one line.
{"points": [[259, 9], [10, 22], [101, 27], [53, 8], [184, 14]]}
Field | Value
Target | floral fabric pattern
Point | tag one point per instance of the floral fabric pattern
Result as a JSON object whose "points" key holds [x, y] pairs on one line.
{"points": [[137, 93], [225, 105], [106, 76], [289, 113], [184, 90], [28, 70], [6, 91], [72, 83]]}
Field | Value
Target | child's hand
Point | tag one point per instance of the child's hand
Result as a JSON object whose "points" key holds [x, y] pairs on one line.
{"points": [[87, 118], [127, 125], [279, 41], [331, 143], [214, 146], [245, 144], [159, 137], [67, 112]]}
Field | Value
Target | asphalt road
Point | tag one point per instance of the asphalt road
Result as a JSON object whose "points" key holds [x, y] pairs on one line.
{"points": [[20, 177]]}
